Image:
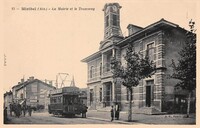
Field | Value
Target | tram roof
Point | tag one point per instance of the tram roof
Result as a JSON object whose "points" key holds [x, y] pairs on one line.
{"points": [[65, 91]]}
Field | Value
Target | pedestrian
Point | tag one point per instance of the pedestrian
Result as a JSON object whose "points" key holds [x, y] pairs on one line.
{"points": [[29, 110], [24, 109], [112, 113], [18, 110], [117, 111], [5, 115]]}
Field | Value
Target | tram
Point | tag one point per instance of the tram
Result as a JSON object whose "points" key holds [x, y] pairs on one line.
{"points": [[66, 101]]}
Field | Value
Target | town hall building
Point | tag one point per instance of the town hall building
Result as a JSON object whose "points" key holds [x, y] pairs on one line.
{"points": [[161, 41]]}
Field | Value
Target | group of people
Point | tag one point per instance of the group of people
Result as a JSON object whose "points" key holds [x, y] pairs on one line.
{"points": [[19, 109], [115, 112]]}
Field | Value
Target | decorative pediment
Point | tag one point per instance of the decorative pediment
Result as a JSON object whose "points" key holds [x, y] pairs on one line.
{"points": [[105, 44]]}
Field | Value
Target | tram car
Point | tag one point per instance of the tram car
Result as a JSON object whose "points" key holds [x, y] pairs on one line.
{"points": [[66, 101]]}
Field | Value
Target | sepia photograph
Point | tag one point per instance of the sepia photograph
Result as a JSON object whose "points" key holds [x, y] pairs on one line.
{"points": [[116, 62]]}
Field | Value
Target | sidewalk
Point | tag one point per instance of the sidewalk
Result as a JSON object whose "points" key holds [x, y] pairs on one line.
{"points": [[144, 119]]}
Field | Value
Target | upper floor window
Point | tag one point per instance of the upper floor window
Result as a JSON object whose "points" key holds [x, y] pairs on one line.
{"points": [[107, 21], [114, 20], [91, 71], [150, 51], [100, 68]]}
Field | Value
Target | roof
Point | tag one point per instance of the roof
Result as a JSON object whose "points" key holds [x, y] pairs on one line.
{"points": [[91, 57], [7, 93], [161, 24], [134, 26], [152, 27], [65, 90], [21, 85]]}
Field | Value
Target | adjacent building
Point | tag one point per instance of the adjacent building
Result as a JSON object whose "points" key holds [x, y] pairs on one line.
{"points": [[33, 91], [161, 41], [8, 97]]}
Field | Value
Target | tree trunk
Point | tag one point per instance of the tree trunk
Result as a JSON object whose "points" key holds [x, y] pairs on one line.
{"points": [[130, 105], [188, 104]]}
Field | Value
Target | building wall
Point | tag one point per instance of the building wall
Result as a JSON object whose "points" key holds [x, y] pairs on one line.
{"points": [[7, 101], [139, 92], [94, 102], [166, 45], [43, 94], [96, 63], [174, 41], [35, 93]]}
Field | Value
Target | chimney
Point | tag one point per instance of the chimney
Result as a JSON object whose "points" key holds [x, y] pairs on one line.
{"points": [[50, 83], [133, 29], [22, 80], [31, 78]]}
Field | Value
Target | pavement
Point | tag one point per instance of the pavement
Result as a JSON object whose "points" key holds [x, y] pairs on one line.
{"points": [[139, 119], [144, 119]]}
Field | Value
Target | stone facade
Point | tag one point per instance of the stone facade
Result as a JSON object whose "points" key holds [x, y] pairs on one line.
{"points": [[161, 40]]}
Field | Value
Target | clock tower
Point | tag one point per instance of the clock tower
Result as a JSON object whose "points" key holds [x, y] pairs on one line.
{"points": [[112, 21]]}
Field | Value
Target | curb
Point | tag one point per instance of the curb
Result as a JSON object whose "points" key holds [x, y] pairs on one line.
{"points": [[114, 121]]}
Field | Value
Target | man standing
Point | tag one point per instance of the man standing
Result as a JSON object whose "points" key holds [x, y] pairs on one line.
{"points": [[29, 110], [24, 109], [117, 111], [112, 113], [18, 110]]}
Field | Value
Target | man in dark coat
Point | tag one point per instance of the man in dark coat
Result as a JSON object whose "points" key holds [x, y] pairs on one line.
{"points": [[112, 113], [18, 110], [24, 109], [29, 110]]}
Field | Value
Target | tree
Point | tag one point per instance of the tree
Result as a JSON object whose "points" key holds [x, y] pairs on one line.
{"points": [[137, 68], [185, 69]]}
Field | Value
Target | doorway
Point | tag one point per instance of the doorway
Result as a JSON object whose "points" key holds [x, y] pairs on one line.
{"points": [[148, 96], [149, 92]]}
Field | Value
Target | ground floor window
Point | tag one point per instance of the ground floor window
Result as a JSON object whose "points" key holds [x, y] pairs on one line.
{"points": [[100, 94], [91, 96]]}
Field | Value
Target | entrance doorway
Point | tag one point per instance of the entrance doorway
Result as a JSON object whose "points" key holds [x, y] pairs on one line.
{"points": [[149, 92], [148, 96]]}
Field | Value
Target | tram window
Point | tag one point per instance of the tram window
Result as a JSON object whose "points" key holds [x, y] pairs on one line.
{"points": [[75, 100], [54, 100], [59, 99]]}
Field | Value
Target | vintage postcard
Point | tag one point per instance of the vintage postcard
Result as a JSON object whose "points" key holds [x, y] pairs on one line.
{"points": [[116, 62]]}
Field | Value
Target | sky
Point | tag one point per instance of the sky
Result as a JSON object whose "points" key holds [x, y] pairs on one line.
{"points": [[45, 43]]}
